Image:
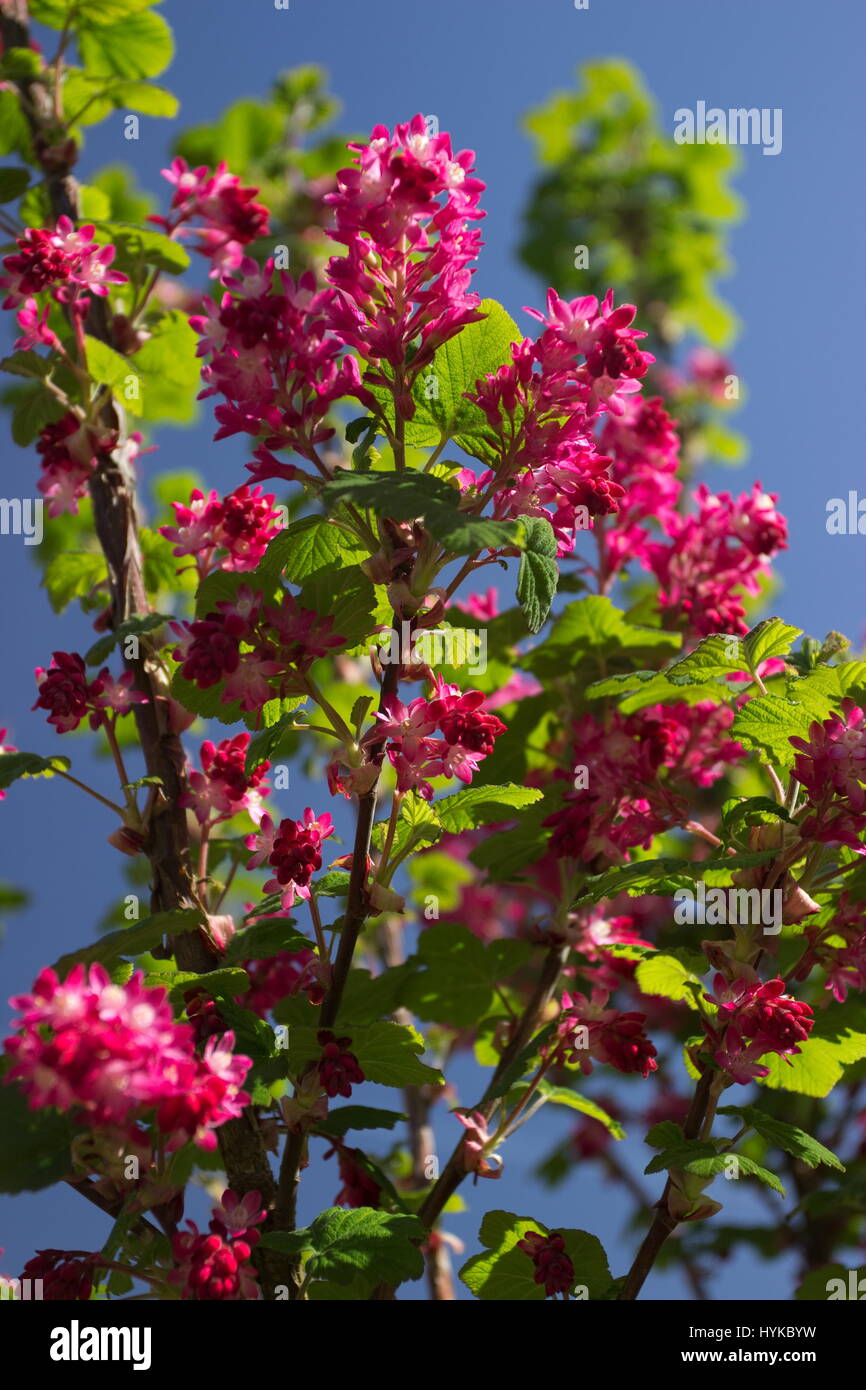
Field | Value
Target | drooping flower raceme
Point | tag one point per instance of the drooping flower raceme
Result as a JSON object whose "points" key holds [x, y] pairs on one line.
{"points": [[753, 1020], [553, 1266], [261, 650], [218, 1266], [293, 850], [69, 696], [222, 789]]}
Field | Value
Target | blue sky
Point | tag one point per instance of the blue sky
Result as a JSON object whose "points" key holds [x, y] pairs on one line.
{"points": [[798, 289]]}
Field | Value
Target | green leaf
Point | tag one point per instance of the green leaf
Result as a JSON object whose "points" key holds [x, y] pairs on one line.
{"points": [[771, 637], [168, 369], [309, 545], [562, 1095], [14, 133], [339, 1122], [666, 977], [134, 940], [34, 1144], [73, 574], [475, 806], [12, 184], [700, 1158], [224, 983], [34, 408], [264, 940], [132, 627], [505, 1273], [134, 46], [59, 13], [477, 351], [784, 1136], [591, 634], [27, 364], [539, 573], [139, 246], [417, 824], [15, 765], [402, 496], [767, 723], [457, 982], [375, 1246], [387, 1052], [104, 364], [145, 97]]}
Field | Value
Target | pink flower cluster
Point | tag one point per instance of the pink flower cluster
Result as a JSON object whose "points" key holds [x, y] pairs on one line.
{"points": [[626, 802], [69, 455], [65, 262], [218, 1266], [845, 964], [587, 1030], [403, 216], [831, 767], [222, 789], [755, 1019], [542, 408], [229, 215], [272, 357], [69, 696], [553, 1267], [294, 852], [114, 1055], [242, 524], [468, 731], [280, 643], [67, 1276]]}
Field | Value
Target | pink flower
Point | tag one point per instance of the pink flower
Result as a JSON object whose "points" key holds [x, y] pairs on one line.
{"points": [[242, 524], [5, 748], [223, 788], [589, 1030], [228, 212], [476, 1142], [65, 691], [831, 767], [754, 1019], [294, 851], [67, 1276], [61, 261], [217, 1267]]}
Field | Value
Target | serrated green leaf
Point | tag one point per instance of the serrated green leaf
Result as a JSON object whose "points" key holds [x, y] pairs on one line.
{"points": [[779, 1133], [134, 46], [374, 1246], [770, 638], [475, 806], [134, 940], [132, 627]]}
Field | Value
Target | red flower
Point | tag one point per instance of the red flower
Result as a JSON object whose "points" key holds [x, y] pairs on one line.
{"points": [[339, 1069], [553, 1267]]}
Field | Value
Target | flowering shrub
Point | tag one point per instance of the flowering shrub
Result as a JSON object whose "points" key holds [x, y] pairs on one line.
{"points": [[504, 844]]}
